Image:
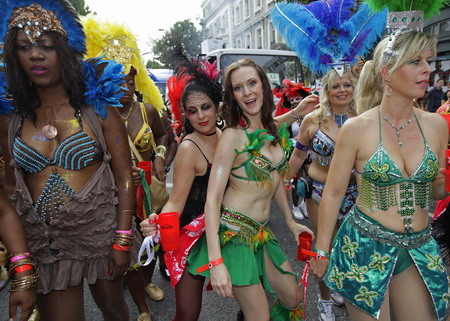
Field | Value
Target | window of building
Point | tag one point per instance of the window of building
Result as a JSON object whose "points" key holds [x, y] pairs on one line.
{"points": [[237, 15], [238, 43], [258, 36], [248, 41], [272, 34], [246, 9], [258, 5]]}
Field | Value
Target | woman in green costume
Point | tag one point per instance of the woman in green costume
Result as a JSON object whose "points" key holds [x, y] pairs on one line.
{"points": [[384, 260], [239, 249]]}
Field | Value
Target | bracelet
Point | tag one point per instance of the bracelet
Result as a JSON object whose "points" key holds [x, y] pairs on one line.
{"points": [[22, 268], [124, 231], [24, 283], [296, 117], [209, 265], [19, 256], [122, 247], [321, 254], [301, 147]]}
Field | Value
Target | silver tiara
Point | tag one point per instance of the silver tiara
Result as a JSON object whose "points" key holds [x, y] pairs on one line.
{"points": [[399, 22]]}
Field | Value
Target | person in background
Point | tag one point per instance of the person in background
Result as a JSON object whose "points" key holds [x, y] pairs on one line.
{"points": [[289, 98], [317, 138], [434, 97], [146, 133], [70, 176]]}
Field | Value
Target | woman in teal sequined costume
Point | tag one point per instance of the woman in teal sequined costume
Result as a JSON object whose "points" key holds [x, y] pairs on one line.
{"points": [[248, 165], [384, 260]]}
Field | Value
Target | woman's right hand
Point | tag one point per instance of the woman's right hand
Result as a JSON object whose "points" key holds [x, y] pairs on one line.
{"points": [[220, 281], [136, 176], [25, 301], [149, 227]]}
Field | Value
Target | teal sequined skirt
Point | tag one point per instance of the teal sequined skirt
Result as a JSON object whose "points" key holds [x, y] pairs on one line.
{"points": [[364, 258]]}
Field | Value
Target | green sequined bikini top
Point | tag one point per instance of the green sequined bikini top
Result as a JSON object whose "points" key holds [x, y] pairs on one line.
{"points": [[383, 184], [258, 167]]}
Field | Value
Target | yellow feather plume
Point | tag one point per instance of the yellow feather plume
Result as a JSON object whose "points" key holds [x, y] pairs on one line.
{"points": [[115, 41]]}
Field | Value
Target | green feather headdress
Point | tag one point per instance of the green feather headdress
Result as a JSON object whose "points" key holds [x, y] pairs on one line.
{"points": [[429, 7]]}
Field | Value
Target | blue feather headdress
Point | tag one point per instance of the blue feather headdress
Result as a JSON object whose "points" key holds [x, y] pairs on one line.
{"points": [[5, 100], [63, 10], [329, 33], [105, 90]]}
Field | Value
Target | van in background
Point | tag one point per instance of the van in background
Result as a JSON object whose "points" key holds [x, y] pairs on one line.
{"points": [[278, 64], [160, 77]]}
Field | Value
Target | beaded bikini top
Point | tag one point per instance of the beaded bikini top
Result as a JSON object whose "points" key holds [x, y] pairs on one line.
{"points": [[322, 148], [75, 152], [258, 167], [383, 184]]}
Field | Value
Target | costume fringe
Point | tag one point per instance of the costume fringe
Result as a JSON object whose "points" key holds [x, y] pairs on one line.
{"points": [[282, 313]]}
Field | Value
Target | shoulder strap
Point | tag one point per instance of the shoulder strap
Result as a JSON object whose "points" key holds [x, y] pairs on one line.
{"points": [[423, 136], [379, 122], [187, 139], [144, 113]]}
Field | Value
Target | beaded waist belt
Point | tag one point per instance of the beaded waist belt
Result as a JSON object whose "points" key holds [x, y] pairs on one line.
{"points": [[235, 220], [376, 231]]}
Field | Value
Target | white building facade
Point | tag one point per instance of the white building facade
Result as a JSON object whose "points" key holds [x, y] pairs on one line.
{"points": [[241, 24]]}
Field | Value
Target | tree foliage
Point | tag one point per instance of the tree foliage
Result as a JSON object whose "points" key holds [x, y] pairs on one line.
{"points": [[182, 32], [80, 7], [153, 64]]}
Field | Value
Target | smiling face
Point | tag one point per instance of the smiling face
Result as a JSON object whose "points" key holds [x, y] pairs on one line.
{"points": [[340, 91], [201, 112], [40, 62], [411, 79], [247, 90]]}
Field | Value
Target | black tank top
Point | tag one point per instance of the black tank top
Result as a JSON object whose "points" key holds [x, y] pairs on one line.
{"points": [[195, 203]]}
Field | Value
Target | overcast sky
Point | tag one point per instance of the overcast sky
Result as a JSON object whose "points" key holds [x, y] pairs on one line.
{"points": [[145, 18]]}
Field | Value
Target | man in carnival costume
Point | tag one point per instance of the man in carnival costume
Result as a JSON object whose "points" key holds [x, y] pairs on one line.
{"points": [[147, 134]]}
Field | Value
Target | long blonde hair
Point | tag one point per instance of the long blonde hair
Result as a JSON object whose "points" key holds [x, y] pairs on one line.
{"points": [[324, 112], [407, 46]]}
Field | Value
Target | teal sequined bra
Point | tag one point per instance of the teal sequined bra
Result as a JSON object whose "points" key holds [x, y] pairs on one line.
{"points": [[258, 167], [383, 184]]}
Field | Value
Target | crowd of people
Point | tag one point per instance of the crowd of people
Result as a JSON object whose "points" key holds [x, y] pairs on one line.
{"points": [[79, 116]]}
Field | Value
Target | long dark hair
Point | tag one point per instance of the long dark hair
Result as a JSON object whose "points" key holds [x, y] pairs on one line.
{"points": [[25, 98], [231, 108]]}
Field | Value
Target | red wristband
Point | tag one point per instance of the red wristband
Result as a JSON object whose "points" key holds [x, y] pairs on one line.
{"points": [[209, 265], [314, 255], [23, 268], [123, 248]]}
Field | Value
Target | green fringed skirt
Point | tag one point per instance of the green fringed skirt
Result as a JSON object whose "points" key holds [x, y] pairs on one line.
{"points": [[243, 243]]}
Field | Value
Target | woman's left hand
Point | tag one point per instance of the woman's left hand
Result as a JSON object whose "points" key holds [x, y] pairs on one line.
{"points": [[306, 106], [159, 169], [319, 267], [25, 301], [119, 263], [297, 229]]}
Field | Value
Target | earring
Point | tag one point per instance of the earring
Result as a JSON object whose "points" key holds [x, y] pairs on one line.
{"points": [[388, 91], [219, 121], [327, 111]]}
